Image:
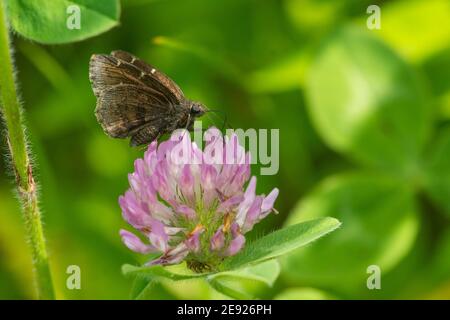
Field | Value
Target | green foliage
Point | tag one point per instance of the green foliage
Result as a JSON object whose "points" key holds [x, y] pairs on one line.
{"points": [[242, 283], [248, 282], [408, 38], [361, 201], [155, 272], [252, 266], [367, 103], [438, 171], [303, 294], [19, 154], [46, 21], [345, 99], [289, 73], [370, 105], [281, 242], [40, 21], [245, 283]]}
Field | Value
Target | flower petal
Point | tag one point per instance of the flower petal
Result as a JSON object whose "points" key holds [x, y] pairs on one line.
{"points": [[253, 214], [176, 185], [186, 211], [237, 242], [249, 197], [267, 204], [230, 204], [157, 235], [193, 240], [134, 243], [186, 184], [217, 240], [171, 231], [132, 210], [174, 256], [208, 182]]}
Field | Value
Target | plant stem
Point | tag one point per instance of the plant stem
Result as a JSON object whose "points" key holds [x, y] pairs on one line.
{"points": [[20, 163]]}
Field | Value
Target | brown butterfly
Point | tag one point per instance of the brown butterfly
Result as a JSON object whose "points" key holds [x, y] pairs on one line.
{"points": [[136, 100]]}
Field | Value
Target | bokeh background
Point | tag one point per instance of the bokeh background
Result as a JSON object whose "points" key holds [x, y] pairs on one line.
{"points": [[364, 119]]}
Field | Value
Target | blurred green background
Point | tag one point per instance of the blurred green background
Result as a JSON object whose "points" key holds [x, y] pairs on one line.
{"points": [[364, 119]]}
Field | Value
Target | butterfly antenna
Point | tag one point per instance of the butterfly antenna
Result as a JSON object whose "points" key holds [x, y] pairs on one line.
{"points": [[211, 119], [225, 122]]}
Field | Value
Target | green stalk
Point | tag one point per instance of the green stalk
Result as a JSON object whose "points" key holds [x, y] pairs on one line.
{"points": [[20, 163]]}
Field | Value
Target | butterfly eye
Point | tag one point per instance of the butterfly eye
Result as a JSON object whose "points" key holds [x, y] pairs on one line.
{"points": [[197, 110]]}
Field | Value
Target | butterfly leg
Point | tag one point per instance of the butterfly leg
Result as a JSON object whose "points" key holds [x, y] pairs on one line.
{"points": [[186, 128]]}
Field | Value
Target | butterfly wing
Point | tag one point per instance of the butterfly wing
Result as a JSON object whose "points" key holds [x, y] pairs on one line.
{"points": [[107, 70], [125, 108], [146, 134], [151, 71], [133, 98]]}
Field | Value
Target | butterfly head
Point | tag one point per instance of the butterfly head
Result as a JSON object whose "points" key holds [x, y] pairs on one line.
{"points": [[197, 109]]}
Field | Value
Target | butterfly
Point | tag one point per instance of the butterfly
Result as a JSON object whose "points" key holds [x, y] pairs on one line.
{"points": [[134, 99]]}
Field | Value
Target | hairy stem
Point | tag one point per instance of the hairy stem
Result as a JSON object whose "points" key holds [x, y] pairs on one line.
{"points": [[20, 163]]}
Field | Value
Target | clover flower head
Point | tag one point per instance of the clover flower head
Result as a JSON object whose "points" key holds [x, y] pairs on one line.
{"points": [[190, 204]]}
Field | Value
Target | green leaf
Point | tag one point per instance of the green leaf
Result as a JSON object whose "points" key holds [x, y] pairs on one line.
{"points": [[244, 283], [147, 280], [436, 71], [245, 270], [380, 225], [149, 289], [437, 272], [409, 38], [248, 282], [48, 21], [303, 294], [444, 105], [281, 242], [283, 75], [214, 60], [367, 103], [315, 16], [155, 272], [437, 181]]}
